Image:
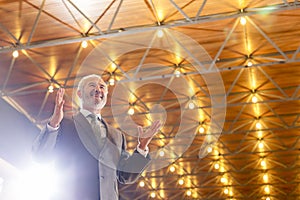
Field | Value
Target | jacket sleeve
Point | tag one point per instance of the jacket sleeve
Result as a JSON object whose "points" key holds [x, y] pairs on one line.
{"points": [[130, 166], [44, 144]]}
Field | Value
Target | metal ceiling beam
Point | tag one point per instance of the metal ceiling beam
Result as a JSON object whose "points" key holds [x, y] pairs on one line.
{"points": [[148, 27]]}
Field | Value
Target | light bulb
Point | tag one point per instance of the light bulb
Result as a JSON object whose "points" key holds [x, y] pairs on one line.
{"points": [[142, 184], [249, 64], [226, 191], [161, 153], [177, 73], [191, 105], [266, 177], [243, 21], [258, 125], [153, 195], [261, 145], [131, 111], [267, 189], [224, 180], [181, 182], [263, 163], [254, 99], [201, 130], [111, 81], [15, 54], [188, 193], [217, 166], [160, 33], [172, 169], [84, 44], [50, 89], [209, 149]]}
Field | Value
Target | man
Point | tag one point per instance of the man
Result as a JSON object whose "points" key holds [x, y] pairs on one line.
{"points": [[92, 161]]}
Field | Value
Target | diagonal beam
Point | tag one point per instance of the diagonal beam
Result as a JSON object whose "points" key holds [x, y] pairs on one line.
{"points": [[114, 17], [89, 20], [37, 19], [180, 10]]}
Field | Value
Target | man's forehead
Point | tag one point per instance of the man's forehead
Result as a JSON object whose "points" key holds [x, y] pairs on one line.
{"points": [[96, 80]]}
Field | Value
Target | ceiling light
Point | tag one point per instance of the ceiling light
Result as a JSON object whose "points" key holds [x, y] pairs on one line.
{"points": [[161, 153], [226, 191], [201, 129], [50, 89], [188, 193], [177, 73], [254, 99], [217, 166], [258, 125], [15, 54], [160, 33], [209, 149], [267, 189], [181, 181], [223, 180], [266, 177], [84, 44], [153, 195], [249, 63], [131, 111], [111, 81], [263, 163], [261, 145], [191, 105], [172, 169], [142, 184], [243, 21]]}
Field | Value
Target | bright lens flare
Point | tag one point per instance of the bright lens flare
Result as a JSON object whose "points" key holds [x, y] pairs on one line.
{"points": [[39, 182]]}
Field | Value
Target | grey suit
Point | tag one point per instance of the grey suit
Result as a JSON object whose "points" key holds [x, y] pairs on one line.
{"points": [[91, 172]]}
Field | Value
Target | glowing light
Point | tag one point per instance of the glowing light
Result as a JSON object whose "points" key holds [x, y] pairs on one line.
{"points": [[160, 33], [223, 180], [268, 198], [172, 169], [181, 181], [191, 105], [267, 189], [153, 195], [111, 81], [263, 163], [217, 166], [209, 149], [177, 73], [258, 125], [243, 21], [142, 184], [254, 99], [84, 44], [266, 177], [261, 145], [188, 193], [15, 54], [201, 130], [161, 153], [226, 191], [131, 111], [50, 89], [37, 183], [249, 63]]}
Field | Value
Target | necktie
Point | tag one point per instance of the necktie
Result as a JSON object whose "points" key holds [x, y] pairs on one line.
{"points": [[99, 128]]}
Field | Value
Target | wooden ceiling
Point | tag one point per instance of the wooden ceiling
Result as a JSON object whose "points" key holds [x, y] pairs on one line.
{"points": [[234, 157]]}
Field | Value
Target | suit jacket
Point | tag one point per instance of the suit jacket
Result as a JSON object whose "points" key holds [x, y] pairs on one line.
{"points": [[89, 171]]}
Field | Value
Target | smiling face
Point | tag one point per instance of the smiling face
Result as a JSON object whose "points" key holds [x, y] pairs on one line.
{"points": [[93, 93]]}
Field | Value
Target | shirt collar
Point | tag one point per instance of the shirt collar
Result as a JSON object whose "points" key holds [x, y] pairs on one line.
{"points": [[87, 113]]}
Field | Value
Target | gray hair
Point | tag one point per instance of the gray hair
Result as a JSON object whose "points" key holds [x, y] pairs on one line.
{"points": [[83, 81]]}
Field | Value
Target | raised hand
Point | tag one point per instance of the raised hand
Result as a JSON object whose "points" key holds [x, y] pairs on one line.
{"points": [[146, 137], [58, 113]]}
